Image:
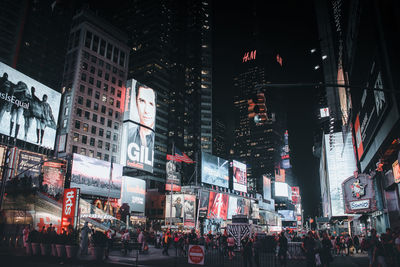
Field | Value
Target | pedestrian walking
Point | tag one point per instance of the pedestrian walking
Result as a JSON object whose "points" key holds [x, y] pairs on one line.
{"points": [[109, 243], [166, 242], [125, 241], [247, 251], [231, 246], [356, 241], [325, 253], [283, 249], [85, 239], [309, 249]]}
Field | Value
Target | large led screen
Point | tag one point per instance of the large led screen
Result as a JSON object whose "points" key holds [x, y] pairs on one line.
{"points": [[189, 207], [53, 178], [238, 206], [287, 215], [92, 176], [218, 206], [281, 189], [214, 170], [266, 187], [28, 109], [204, 196], [29, 164], [139, 126], [174, 206], [239, 176], [133, 193]]}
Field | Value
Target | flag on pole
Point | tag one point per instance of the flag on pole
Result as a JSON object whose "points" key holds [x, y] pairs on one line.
{"points": [[179, 157]]}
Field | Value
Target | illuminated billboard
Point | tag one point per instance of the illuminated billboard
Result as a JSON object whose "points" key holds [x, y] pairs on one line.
{"points": [[281, 189], [214, 170], [341, 164], [238, 206], [287, 215], [28, 109], [92, 176], [174, 207], [324, 112], [29, 164], [266, 187], [138, 134], [239, 176], [396, 171], [218, 206], [295, 195], [53, 178], [204, 196], [133, 193], [189, 207]]}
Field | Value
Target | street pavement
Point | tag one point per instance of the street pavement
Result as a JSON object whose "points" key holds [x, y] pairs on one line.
{"points": [[17, 257]]}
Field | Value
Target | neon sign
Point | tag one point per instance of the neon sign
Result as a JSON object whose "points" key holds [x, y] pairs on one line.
{"points": [[249, 56]]}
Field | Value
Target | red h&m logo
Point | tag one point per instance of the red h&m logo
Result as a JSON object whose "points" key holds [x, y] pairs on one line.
{"points": [[249, 56]]}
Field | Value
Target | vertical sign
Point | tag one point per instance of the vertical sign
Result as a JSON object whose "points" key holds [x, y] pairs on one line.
{"points": [[70, 208]]}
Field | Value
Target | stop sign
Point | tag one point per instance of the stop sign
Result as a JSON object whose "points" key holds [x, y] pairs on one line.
{"points": [[196, 254]]}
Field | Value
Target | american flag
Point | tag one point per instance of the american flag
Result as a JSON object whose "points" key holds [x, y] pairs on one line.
{"points": [[179, 157]]}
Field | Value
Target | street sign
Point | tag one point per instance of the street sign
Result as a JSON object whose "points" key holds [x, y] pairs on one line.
{"points": [[196, 254]]}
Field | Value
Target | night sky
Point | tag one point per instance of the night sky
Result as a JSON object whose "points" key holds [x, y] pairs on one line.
{"points": [[288, 27]]}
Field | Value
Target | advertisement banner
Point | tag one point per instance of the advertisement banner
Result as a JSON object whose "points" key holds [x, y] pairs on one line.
{"points": [[281, 189], [189, 210], [214, 170], [359, 194], [173, 176], [255, 210], [70, 208], [53, 178], [218, 206], [396, 171], [176, 213], [287, 215], [28, 109], [133, 193], [266, 187], [29, 164], [239, 176], [204, 197], [92, 176], [2, 160], [138, 134], [295, 194]]}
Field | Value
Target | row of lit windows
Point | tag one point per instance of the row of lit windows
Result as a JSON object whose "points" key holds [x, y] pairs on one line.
{"points": [[90, 153], [92, 142], [104, 99], [93, 59], [102, 122]]}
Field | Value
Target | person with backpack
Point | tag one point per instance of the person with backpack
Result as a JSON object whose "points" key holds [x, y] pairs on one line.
{"points": [[231, 246]]}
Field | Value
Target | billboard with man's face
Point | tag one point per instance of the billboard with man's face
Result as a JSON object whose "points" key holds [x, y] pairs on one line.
{"points": [[214, 170], [137, 150], [239, 176], [28, 109]]}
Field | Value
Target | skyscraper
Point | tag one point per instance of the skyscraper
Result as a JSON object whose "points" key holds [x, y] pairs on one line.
{"points": [[95, 72]]}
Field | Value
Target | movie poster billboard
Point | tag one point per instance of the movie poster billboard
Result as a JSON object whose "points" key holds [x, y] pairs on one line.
{"points": [[92, 176], [174, 207], [189, 210], [239, 176], [29, 164], [133, 193], [266, 187], [238, 206], [218, 206], [214, 170], [28, 109], [53, 178], [138, 134], [173, 176], [203, 208]]}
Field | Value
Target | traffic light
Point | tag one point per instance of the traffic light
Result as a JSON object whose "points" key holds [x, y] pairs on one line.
{"points": [[257, 109]]}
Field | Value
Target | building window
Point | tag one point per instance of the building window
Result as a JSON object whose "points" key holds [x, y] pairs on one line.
{"points": [[93, 59], [119, 93], [116, 114], [88, 103], [88, 39], [109, 123], [101, 63], [74, 149], [118, 105], [97, 95], [85, 127], [95, 44], [77, 124], [92, 140], [84, 139], [95, 106], [115, 137], [94, 117], [104, 98], [113, 79], [83, 77], [98, 156], [65, 123], [91, 80], [102, 47], [85, 55], [80, 100], [114, 148], [79, 112], [107, 76], [109, 51], [84, 66], [101, 132], [99, 144], [87, 115], [76, 137], [66, 111], [93, 130], [89, 91], [106, 157], [92, 70], [116, 126], [100, 73], [114, 159], [98, 84], [111, 101], [83, 151], [82, 88], [105, 87], [108, 134], [102, 120], [110, 112], [103, 109], [116, 54], [112, 90], [107, 147], [91, 153], [119, 83]]}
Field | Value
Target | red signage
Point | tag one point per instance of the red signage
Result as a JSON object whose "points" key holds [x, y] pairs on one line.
{"points": [[359, 143], [70, 208], [196, 254], [295, 194], [249, 56]]}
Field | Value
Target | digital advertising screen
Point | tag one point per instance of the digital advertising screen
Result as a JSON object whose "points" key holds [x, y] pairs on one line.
{"points": [[214, 170], [174, 209], [281, 189], [238, 206], [396, 171], [29, 164], [239, 176], [203, 208], [218, 206], [287, 215], [139, 126], [295, 194], [53, 178], [92, 176], [255, 210], [266, 187], [133, 193], [189, 208], [28, 109]]}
